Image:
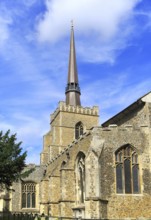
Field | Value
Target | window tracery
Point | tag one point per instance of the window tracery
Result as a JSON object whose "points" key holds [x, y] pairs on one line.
{"points": [[28, 195], [78, 130], [127, 170]]}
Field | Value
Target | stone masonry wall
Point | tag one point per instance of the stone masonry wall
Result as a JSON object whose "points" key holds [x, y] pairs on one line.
{"points": [[36, 177], [62, 132], [99, 146], [105, 199], [65, 195], [136, 118], [44, 156], [149, 115], [124, 205]]}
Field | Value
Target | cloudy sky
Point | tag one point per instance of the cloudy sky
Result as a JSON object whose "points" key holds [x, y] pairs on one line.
{"points": [[113, 46]]}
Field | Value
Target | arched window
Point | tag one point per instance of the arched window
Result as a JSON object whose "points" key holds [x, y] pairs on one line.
{"points": [[127, 170], [78, 130], [28, 195], [80, 177]]}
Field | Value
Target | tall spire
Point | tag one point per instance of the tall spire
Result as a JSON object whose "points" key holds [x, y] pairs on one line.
{"points": [[72, 89]]}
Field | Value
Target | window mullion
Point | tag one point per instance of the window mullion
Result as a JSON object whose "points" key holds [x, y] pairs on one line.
{"points": [[28, 189], [26, 199], [30, 199], [127, 174]]}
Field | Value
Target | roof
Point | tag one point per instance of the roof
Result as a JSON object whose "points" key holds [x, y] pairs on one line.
{"points": [[131, 108]]}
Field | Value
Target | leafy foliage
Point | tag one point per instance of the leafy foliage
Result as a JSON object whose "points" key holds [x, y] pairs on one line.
{"points": [[12, 160]]}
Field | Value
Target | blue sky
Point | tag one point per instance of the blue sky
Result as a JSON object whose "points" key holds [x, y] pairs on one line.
{"points": [[113, 55]]}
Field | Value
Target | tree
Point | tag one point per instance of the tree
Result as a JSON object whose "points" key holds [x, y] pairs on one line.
{"points": [[12, 160]]}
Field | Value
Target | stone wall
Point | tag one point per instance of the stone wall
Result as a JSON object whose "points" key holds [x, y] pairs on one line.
{"points": [[61, 175], [36, 177], [58, 187], [4, 198], [136, 118], [62, 132], [125, 205], [101, 199]]}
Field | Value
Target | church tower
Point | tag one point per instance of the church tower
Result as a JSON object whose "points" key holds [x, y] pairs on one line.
{"points": [[70, 120]]}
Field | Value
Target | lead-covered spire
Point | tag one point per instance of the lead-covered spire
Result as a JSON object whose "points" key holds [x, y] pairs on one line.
{"points": [[72, 89]]}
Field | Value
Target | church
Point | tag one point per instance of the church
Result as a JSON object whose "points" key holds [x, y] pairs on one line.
{"points": [[88, 170]]}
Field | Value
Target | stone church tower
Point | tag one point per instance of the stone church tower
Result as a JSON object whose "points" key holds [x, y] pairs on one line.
{"points": [[68, 123], [96, 171], [89, 171], [70, 119]]}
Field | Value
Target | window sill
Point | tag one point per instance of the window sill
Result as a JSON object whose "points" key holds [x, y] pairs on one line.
{"points": [[29, 209], [126, 194]]}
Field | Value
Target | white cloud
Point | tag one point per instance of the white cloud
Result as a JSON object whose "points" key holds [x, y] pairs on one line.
{"points": [[102, 16], [4, 29], [104, 24], [6, 20]]}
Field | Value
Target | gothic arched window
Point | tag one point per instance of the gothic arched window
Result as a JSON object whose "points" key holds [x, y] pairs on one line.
{"points": [[28, 195], [127, 170], [80, 177], [78, 130]]}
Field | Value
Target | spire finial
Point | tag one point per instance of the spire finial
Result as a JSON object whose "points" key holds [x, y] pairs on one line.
{"points": [[72, 89], [72, 26]]}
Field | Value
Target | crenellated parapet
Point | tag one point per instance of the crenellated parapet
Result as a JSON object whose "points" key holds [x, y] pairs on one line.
{"points": [[62, 107], [123, 127]]}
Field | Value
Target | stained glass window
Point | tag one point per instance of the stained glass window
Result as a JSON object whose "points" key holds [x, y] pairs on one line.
{"points": [[119, 184], [127, 170], [127, 176], [135, 179], [33, 200], [28, 195], [23, 200]]}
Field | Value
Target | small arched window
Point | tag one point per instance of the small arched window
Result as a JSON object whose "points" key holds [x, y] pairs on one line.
{"points": [[28, 195], [80, 177], [78, 130], [127, 170]]}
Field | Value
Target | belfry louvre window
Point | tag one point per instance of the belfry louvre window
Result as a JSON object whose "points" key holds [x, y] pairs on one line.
{"points": [[78, 130], [28, 195], [127, 170]]}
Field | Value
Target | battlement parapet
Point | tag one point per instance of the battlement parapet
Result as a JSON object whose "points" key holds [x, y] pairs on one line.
{"points": [[123, 128], [62, 107]]}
